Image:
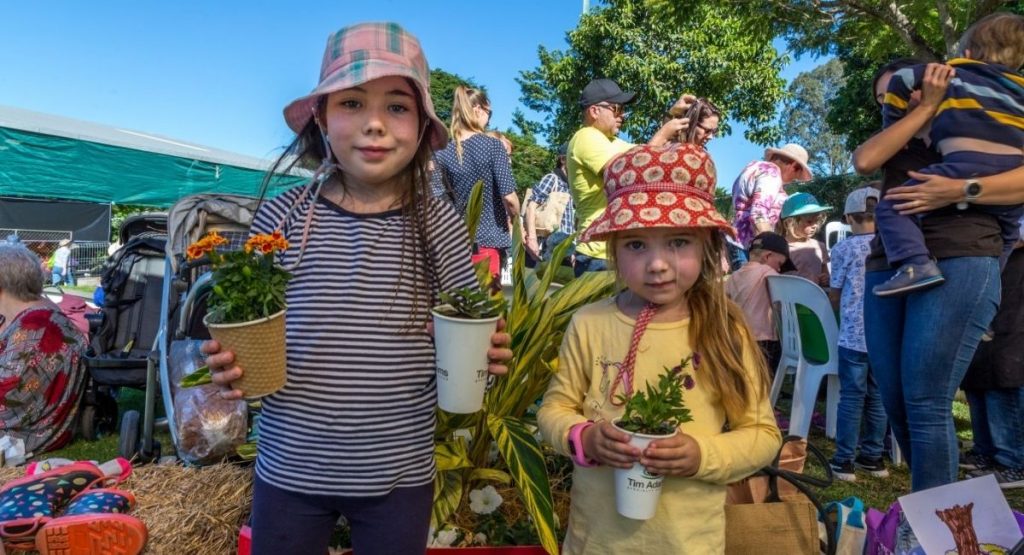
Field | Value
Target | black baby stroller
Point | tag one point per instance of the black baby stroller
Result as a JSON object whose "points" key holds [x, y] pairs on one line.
{"points": [[123, 334], [204, 428]]}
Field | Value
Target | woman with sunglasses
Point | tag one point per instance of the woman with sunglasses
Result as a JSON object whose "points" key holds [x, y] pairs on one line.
{"points": [[473, 156], [707, 117]]}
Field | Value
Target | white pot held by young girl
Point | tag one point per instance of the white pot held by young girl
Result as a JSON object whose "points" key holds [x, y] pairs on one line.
{"points": [[461, 353], [636, 490]]}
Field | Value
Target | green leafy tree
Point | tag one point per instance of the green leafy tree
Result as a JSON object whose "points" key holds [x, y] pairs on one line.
{"points": [[442, 91], [863, 34], [530, 161], [803, 118], [708, 53]]}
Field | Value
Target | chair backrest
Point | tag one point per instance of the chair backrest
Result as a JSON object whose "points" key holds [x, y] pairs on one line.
{"points": [[787, 292], [834, 233]]}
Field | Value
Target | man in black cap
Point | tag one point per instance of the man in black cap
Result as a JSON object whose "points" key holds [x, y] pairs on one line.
{"points": [[603, 103]]}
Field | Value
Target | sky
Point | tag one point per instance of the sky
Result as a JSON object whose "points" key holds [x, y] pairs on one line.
{"points": [[218, 73]]}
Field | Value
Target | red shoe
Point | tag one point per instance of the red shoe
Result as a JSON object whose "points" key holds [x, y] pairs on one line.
{"points": [[92, 534]]}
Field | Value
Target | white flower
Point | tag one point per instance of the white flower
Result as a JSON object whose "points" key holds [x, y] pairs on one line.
{"points": [[484, 501], [480, 538], [444, 538]]}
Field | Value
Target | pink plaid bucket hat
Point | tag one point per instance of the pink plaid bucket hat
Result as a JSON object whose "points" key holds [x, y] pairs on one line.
{"points": [[362, 53], [658, 186]]}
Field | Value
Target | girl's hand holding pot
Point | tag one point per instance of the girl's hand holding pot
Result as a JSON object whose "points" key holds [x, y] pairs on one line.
{"points": [[609, 446], [223, 370], [678, 455]]}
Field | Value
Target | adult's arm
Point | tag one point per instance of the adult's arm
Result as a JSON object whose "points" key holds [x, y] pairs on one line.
{"points": [[877, 150], [676, 123], [936, 191], [766, 201]]}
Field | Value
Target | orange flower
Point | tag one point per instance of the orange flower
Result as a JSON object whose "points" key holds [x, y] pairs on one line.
{"points": [[195, 251], [267, 248]]}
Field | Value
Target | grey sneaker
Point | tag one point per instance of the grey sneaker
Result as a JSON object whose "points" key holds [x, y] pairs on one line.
{"points": [[874, 467], [911, 278], [969, 460], [1008, 478]]}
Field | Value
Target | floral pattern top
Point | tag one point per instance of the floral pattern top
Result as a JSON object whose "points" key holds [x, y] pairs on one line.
{"points": [[757, 194], [41, 378]]}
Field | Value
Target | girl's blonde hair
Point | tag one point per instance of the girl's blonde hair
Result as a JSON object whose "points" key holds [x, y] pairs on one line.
{"points": [[788, 226], [463, 118], [309, 150], [718, 331]]}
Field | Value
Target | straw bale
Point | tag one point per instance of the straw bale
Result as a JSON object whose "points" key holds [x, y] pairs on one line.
{"points": [[196, 510]]}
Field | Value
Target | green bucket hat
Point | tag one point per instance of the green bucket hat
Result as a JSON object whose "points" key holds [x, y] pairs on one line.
{"points": [[800, 204]]}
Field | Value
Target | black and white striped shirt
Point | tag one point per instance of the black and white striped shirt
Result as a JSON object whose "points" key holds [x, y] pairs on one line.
{"points": [[356, 416]]}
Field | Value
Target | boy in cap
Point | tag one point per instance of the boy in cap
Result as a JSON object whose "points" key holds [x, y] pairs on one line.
{"points": [[748, 287], [859, 399]]}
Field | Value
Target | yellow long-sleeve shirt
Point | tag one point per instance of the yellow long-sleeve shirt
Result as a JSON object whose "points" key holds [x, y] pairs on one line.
{"points": [[691, 515]]}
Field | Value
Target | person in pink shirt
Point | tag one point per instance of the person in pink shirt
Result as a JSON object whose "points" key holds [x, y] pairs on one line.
{"points": [[758, 194], [747, 287]]}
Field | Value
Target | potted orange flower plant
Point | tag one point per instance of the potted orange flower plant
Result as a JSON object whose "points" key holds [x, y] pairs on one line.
{"points": [[246, 307]]}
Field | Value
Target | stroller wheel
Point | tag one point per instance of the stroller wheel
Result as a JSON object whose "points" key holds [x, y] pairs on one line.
{"points": [[128, 445], [87, 423]]}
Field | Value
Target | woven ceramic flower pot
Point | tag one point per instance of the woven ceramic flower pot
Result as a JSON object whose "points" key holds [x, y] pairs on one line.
{"points": [[637, 491], [259, 349]]}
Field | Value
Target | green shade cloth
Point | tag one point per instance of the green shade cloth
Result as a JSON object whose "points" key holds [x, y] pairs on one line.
{"points": [[38, 165], [54, 157]]}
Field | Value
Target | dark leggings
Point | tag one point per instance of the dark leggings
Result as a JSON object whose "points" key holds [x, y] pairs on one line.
{"points": [[288, 522]]}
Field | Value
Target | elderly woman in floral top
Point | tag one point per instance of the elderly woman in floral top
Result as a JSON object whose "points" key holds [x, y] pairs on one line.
{"points": [[41, 379]]}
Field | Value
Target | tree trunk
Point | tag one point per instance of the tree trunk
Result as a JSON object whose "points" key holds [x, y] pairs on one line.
{"points": [[960, 522]]}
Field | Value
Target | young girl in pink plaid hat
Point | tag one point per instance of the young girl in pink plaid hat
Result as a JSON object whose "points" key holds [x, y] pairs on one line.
{"points": [[351, 432], [665, 241]]}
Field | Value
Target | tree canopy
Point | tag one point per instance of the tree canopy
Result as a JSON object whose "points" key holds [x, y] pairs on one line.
{"points": [[803, 118], [709, 54], [863, 34]]}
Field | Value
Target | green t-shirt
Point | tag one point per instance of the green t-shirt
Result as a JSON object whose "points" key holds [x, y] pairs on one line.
{"points": [[589, 151]]}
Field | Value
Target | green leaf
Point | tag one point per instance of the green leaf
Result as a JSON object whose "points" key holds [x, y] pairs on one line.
{"points": [[199, 377], [247, 450], [525, 460], [452, 455], [474, 209], [490, 475], [447, 496]]}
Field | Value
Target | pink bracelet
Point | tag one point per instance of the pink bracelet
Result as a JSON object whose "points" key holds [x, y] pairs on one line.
{"points": [[576, 444]]}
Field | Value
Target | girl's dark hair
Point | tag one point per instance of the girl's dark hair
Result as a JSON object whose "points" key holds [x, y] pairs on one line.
{"points": [[308, 151], [702, 108], [892, 67]]}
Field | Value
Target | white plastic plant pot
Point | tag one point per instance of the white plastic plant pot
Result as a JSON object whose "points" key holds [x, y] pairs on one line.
{"points": [[636, 490], [461, 353]]}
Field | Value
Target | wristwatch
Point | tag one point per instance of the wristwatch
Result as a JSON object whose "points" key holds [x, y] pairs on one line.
{"points": [[576, 444], [972, 190]]}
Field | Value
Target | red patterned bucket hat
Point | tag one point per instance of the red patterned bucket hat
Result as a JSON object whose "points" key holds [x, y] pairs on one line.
{"points": [[652, 186], [362, 53]]}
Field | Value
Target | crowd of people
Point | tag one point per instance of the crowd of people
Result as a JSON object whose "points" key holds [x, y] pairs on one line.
{"points": [[380, 231]]}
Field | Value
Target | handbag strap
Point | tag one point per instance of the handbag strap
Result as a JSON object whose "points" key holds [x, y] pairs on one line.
{"points": [[774, 474], [802, 482]]}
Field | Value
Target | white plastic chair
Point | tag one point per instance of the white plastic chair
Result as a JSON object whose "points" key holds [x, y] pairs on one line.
{"points": [[786, 292], [834, 233]]}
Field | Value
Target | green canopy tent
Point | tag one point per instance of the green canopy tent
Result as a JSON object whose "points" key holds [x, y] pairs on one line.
{"points": [[52, 157]]}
